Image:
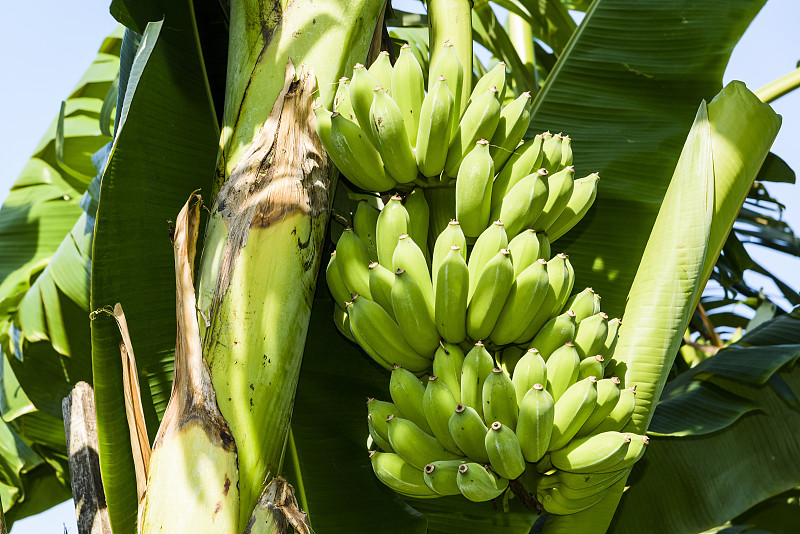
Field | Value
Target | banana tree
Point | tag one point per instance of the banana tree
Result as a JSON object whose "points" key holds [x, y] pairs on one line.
{"points": [[216, 112]]}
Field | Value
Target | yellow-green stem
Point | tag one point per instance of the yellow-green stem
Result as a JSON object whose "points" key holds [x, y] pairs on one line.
{"points": [[777, 88], [451, 20], [521, 36]]}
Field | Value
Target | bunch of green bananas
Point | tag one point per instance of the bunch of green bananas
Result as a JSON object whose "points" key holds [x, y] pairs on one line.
{"points": [[386, 132], [473, 427], [398, 300]]}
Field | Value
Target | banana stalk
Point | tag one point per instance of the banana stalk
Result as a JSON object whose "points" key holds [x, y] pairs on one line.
{"points": [[267, 224], [451, 20]]}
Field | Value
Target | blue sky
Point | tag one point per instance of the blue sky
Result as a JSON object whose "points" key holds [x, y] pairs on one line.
{"points": [[47, 45]]}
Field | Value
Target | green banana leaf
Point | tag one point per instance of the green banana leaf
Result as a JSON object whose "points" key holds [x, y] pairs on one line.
{"points": [[732, 469], [702, 409], [549, 20], [662, 298], [45, 236], [777, 515], [165, 148], [490, 33], [627, 98]]}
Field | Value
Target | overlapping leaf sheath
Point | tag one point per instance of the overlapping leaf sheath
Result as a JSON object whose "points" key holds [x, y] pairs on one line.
{"points": [[193, 480], [257, 276]]}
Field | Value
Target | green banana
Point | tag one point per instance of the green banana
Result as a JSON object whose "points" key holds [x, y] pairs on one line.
{"points": [[477, 484], [451, 235], [419, 216], [336, 285], [491, 291], [362, 87], [393, 221], [407, 393], [396, 151], [508, 357], [417, 447], [527, 294], [365, 220], [591, 335], [436, 119], [500, 399], [450, 68], [441, 476], [359, 339], [556, 503], [399, 475], [478, 365], [551, 149], [544, 465], [408, 90], [561, 278], [544, 245], [452, 285], [413, 315], [607, 397], [576, 485], [591, 366], [593, 453], [342, 322], [478, 122], [584, 304], [611, 340], [361, 160], [469, 431], [381, 281], [377, 440], [562, 369], [555, 333], [566, 152], [439, 404], [491, 241], [377, 412], [381, 69], [409, 257], [503, 448], [524, 250], [474, 188], [559, 190], [381, 337], [341, 101], [352, 262], [583, 194], [527, 158], [535, 424], [494, 78], [529, 371], [513, 123], [447, 364], [323, 120], [572, 409], [523, 204], [632, 455], [621, 414]]}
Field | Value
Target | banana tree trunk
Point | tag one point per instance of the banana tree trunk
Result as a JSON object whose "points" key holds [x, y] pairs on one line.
{"points": [[267, 225]]}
